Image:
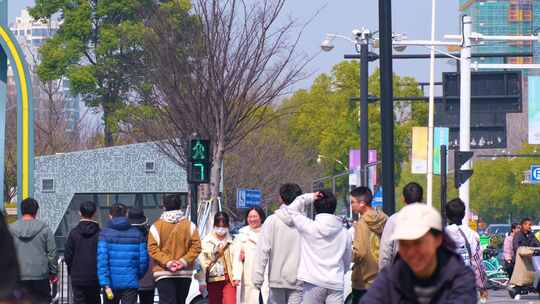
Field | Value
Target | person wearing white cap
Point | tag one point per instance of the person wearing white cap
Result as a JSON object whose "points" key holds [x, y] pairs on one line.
{"points": [[427, 269]]}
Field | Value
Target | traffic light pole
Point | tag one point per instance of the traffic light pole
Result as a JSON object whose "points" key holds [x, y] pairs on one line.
{"points": [[444, 183], [387, 105], [194, 189]]}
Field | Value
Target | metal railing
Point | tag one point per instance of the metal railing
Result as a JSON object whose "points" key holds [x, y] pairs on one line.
{"points": [[61, 290]]}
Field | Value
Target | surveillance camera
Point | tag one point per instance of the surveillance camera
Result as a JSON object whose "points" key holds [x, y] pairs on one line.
{"points": [[327, 45]]}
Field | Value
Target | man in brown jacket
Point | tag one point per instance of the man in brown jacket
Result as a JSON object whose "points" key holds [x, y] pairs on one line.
{"points": [[173, 244], [367, 234]]}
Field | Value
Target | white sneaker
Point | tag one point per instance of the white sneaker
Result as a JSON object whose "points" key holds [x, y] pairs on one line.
{"points": [[517, 297]]}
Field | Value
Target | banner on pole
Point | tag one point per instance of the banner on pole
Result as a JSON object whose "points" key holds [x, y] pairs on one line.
{"points": [[354, 167], [419, 150], [440, 137], [534, 110]]}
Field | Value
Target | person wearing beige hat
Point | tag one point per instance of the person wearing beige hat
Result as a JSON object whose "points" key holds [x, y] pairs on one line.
{"points": [[427, 269]]}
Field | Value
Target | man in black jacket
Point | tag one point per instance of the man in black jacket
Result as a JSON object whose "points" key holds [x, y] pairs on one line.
{"points": [[525, 238], [80, 255]]}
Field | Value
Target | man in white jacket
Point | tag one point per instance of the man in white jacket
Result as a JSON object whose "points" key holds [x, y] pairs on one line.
{"points": [[326, 248], [279, 249]]}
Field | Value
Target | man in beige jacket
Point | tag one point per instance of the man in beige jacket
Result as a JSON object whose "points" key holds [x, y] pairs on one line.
{"points": [[173, 244], [367, 234]]}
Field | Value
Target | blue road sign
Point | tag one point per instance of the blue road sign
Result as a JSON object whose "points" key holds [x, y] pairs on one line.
{"points": [[377, 199], [535, 174], [246, 198]]}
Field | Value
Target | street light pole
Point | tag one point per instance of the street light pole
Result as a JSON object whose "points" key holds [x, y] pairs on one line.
{"points": [[465, 105], [363, 115], [431, 110], [387, 105]]}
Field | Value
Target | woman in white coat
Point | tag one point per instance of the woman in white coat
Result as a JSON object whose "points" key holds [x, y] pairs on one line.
{"points": [[246, 245]]}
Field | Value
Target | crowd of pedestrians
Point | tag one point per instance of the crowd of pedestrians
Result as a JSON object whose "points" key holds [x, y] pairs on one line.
{"points": [[289, 257]]}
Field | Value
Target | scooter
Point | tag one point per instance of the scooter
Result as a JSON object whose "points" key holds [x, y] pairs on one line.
{"points": [[497, 277], [515, 292]]}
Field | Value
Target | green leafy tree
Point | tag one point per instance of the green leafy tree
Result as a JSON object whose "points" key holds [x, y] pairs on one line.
{"points": [[498, 191], [324, 118], [97, 45]]}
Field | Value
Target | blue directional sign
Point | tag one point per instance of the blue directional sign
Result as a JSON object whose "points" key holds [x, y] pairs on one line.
{"points": [[377, 198], [535, 174], [246, 198]]}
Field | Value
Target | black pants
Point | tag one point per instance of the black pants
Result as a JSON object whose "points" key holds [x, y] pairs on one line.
{"points": [[146, 296], [38, 291], [173, 291], [357, 295], [509, 267], [86, 294], [124, 296]]}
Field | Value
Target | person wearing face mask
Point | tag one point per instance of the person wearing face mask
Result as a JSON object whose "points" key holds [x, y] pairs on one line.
{"points": [[216, 260], [246, 244]]}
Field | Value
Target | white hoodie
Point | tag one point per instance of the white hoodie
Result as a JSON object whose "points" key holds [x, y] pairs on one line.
{"points": [[278, 248], [326, 246]]}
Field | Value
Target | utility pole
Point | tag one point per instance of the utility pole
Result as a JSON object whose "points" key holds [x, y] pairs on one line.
{"points": [[387, 105]]}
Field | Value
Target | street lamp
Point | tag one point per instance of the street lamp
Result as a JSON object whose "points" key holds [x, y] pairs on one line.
{"points": [[361, 40], [320, 157]]}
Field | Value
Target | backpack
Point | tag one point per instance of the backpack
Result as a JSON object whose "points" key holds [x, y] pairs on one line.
{"points": [[465, 251]]}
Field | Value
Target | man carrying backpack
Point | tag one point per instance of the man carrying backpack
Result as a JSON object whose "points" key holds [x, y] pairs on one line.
{"points": [[467, 243]]}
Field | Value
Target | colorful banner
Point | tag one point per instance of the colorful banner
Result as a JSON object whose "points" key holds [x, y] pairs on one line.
{"points": [[354, 166], [354, 158], [419, 150], [440, 137], [534, 110]]}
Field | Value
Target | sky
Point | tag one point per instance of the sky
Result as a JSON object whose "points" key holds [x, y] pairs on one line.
{"points": [[412, 17]]}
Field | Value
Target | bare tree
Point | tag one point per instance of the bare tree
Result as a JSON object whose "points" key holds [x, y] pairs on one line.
{"points": [[217, 72], [265, 160]]}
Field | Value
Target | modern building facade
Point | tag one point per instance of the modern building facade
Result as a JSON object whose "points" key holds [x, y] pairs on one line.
{"points": [[508, 17], [136, 175], [505, 17], [31, 35]]}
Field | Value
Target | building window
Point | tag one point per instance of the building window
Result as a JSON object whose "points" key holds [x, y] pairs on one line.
{"points": [[47, 185], [150, 167]]}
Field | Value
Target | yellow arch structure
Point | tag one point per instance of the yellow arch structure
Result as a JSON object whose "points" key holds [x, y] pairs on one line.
{"points": [[25, 113]]}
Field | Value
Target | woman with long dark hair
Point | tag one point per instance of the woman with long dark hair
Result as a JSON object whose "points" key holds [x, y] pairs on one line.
{"points": [[427, 269]]}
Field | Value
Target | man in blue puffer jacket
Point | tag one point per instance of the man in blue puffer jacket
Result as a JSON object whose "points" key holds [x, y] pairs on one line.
{"points": [[122, 257]]}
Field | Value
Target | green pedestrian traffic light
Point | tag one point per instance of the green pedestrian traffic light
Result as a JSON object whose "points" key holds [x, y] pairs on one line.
{"points": [[199, 161]]}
